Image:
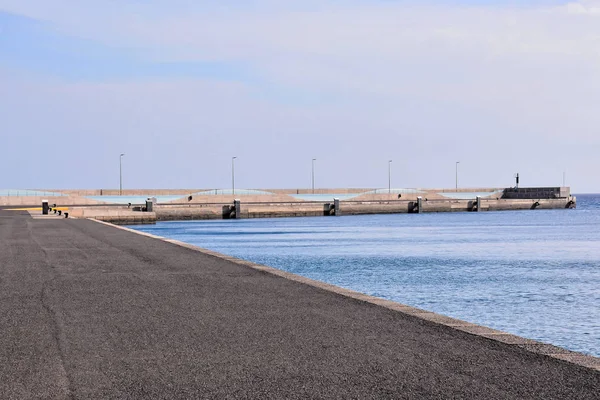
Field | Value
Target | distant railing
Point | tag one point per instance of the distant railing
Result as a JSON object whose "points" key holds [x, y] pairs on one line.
{"points": [[28, 193], [394, 191], [216, 192]]}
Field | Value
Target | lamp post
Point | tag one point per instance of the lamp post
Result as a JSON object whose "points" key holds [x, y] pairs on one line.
{"points": [[233, 174], [313, 175], [458, 162], [390, 176], [121, 174]]}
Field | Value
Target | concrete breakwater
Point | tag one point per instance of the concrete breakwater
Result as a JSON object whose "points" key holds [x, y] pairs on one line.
{"points": [[271, 210], [263, 204], [418, 202]]}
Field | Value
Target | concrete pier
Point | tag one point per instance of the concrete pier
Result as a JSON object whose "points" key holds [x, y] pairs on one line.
{"points": [[168, 212], [282, 204], [91, 311]]}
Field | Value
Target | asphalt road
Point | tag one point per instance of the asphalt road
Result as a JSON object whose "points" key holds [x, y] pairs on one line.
{"points": [[89, 311]]}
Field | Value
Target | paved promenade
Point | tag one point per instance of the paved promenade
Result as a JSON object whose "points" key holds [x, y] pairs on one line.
{"points": [[90, 311]]}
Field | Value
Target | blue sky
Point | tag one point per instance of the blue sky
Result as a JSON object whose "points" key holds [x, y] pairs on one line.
{"points": [[183, 86], [35, 46]]}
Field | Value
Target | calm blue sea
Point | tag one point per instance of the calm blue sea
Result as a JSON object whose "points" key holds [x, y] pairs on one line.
{"points": [[532, 273]]}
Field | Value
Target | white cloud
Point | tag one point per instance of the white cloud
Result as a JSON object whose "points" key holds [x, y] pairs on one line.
{"points": [[588, 7], [518, 85]]}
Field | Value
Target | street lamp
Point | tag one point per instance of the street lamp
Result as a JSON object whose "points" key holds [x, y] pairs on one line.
{"points": [[458, 162], [121, 174], [233, 174], [390, 176], [313, 175]]}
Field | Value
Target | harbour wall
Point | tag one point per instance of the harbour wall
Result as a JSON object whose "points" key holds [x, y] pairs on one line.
{"points": [[124, 216], [229, 206], [118, 216], [305, 209]]}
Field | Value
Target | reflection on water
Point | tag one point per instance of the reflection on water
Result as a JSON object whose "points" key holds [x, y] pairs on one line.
{"points": [[531, 273]]}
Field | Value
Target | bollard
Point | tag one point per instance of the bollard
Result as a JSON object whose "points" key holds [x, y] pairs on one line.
{"points": [[45, 207], [237, 209], [336, 207], [419, 205], [478, 203], [66, 215]]}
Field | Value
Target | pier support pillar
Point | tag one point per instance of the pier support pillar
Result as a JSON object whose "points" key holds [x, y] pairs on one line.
{"points": [[150, 201], [419, 205], [336, 207], [237, 209], [478, 203]]}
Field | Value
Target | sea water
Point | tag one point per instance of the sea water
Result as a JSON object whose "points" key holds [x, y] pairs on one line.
{"points": [[531, 273]]}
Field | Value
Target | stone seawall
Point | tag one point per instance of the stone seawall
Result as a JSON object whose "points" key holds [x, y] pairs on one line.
{"points": [[127, 216], [395, 207], [114, 216], [312, 209], [282, 205]]}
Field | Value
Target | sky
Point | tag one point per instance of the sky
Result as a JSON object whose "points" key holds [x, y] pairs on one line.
{"points": [[182, 86]]}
